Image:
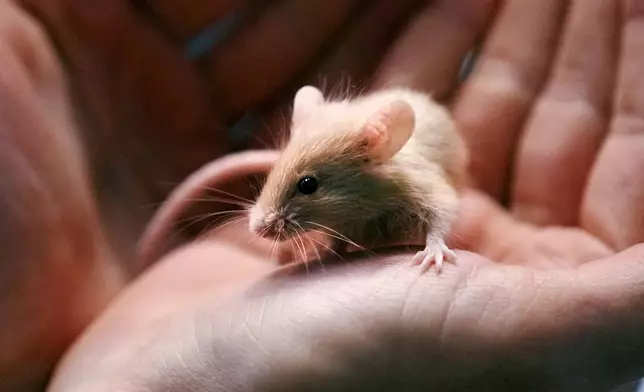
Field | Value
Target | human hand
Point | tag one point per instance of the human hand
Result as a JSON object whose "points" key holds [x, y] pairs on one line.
{"points": [[572, 173], [376, 324], [117, 61], [56, 271], [155, 109]]}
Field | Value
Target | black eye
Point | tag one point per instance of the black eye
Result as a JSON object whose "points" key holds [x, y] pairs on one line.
{"points": [[307, 185]]}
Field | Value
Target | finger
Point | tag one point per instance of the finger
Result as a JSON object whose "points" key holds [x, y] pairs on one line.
{"points": [[25, 36], [611, 292], [266, 55], [133, 79], [493, 104], [434, 45], [195, 276], [570, 119], [614, 204], [346, 71], [359, 50], [487, 229], [184, 19], [483, 227], [221, 183], [54, 259]]}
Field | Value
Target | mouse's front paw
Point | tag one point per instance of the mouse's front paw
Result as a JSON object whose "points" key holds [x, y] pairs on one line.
{"points": [[435, 252]]}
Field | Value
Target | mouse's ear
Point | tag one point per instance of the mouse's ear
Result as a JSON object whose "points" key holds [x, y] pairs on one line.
{"points": [[306, 99], [387, 130]]}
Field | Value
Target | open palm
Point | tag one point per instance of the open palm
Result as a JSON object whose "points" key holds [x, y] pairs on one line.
{"points": [[558, 142], [559, 103], [565, 115]]}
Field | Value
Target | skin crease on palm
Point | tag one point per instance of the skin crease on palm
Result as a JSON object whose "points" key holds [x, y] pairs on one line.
{"points": [[548, 297]]}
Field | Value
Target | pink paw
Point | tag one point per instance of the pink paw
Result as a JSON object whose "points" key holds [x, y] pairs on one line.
{"points": [[435, 252]]}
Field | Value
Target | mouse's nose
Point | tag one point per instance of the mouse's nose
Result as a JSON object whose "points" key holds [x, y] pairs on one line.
{"points": [[273, 228], [261, 228], [270, 231], [266, 224], [259, 221]]}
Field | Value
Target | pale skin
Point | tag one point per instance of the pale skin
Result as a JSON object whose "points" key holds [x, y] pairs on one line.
{"points": [[519, 311]]}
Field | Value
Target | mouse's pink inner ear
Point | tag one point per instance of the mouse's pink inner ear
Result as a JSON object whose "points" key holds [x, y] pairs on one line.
{"points": [[306, 99], [387, 130]]}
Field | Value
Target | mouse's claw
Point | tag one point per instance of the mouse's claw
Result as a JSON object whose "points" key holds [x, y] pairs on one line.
{"points": [[435, 252]]}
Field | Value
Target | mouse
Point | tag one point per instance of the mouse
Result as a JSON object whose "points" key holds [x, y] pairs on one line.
{"points": [[382, 167]]}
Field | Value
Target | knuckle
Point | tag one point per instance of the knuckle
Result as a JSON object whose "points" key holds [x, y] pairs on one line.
{"points": [[629, 113], [19, 28], [630, 103], [23, 35]]}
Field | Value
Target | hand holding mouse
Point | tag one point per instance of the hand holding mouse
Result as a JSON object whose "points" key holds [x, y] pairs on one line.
{"points": [[483, 324], [148, 116]]}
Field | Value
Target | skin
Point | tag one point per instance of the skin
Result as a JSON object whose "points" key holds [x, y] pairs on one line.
{"points": [[56, 270], [536, 306], [58, 274]]}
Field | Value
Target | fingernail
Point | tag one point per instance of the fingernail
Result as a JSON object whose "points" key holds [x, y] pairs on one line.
{"points": [[211, 36], [243, 129], [634, 8]]}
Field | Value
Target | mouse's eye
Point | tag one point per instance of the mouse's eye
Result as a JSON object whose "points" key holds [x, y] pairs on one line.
{"points": [[307, 185]]}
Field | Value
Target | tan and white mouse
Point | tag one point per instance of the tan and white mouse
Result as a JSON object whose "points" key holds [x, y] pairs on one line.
{"points": [[379, 169], [384, 167]]}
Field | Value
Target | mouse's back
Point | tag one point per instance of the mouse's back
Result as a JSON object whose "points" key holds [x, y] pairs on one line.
{"points": [[435, 137]]}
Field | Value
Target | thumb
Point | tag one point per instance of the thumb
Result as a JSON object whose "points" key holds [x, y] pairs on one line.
{"points": [[609, 318], [484, 227]]}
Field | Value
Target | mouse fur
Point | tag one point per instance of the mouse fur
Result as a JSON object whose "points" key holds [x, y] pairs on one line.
{"points": [[388, 167]]}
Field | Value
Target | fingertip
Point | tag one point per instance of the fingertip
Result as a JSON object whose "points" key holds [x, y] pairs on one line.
{"points": [[446, 30]]}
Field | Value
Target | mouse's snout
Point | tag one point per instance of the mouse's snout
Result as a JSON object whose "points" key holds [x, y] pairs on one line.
{"points": [[266, 224], [271, 230]]}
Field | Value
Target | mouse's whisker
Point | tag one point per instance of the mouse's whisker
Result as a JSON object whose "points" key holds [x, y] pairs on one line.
{"points": [[273, 247], [193, 220], [292, 245], [300, 246], [311, 240], [259, 234], [322, 244], [211, 199], [326, 233], [328, 248], [200, 217], [340, 236], [345, 240], [231, 201], [234, 196], [209, 230], [302, 249], [295, 246]]}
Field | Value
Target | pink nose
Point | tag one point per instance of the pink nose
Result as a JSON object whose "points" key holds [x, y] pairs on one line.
{"points": [[269, 231], [272, 228]]}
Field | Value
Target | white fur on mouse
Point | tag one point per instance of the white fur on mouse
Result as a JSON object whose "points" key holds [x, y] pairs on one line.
{"points": [[372, 168]]}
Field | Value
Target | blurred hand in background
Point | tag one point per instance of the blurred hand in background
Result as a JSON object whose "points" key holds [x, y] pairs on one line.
{"points": [[551, 113]]}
